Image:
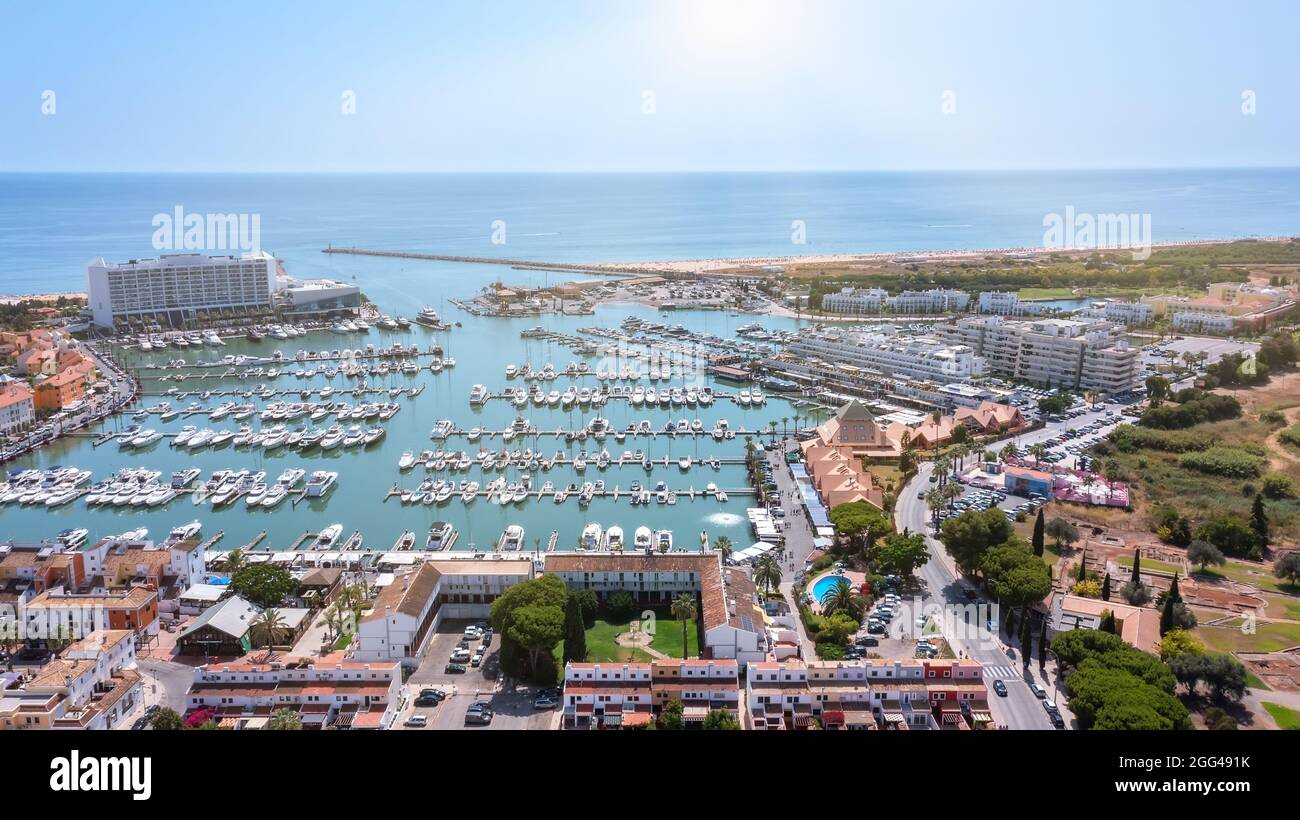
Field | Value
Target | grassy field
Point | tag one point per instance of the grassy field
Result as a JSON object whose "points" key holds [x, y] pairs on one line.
{"points": [[1150, 564], [1268, 637], [603, 647], [1245, 573], [1284, 718], [1157, 478], [1283, 606]]}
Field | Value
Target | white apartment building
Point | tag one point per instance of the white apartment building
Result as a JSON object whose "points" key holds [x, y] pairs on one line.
{"points": [[17, 407], [1200, 322], [1073, 354], [1124, 313], [908, 357], [407, 612], [935, 300], [855, 300], [1006, 303], [174, 287]]}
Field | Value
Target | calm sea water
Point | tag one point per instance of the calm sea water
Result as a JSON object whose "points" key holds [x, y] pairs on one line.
{"points": [[51, 225]]}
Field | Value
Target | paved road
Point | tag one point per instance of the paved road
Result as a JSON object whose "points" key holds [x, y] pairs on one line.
{"points": [[1020, 709]]}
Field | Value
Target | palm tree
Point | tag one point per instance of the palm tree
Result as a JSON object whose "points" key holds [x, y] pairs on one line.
{"points": [[271, 624], [934, 500], [334, 620], [683, 609], [767, 572], [842, 597], [1037, 451], [235, 560], [772, 426], [723, 545], [951, 492], [941, 467], [784, 421], [936, 417], [1092, 397]]}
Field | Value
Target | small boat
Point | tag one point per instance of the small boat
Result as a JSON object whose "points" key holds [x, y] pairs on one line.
{"points": [[407, 461], [329, 536], [512, 539], [642, 539], [614, 539], [441, 536]]}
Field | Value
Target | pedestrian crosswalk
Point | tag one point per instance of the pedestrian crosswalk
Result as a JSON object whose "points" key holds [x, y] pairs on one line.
{"points": [[1000, 672]]}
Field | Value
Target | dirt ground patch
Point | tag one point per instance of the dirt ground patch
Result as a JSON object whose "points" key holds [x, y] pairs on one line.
{"points": [[1280, 671]]}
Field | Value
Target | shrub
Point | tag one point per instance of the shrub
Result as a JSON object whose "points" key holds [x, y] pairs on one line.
{"points": [[1291, 435], [1276, 485], [1232, 462], [1128, 438]]}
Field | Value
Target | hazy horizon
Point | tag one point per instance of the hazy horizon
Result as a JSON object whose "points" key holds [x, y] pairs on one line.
{"points": [[675, 86]]}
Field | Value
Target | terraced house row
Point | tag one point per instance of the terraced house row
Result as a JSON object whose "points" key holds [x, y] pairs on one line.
{"points": [[898, 695]]}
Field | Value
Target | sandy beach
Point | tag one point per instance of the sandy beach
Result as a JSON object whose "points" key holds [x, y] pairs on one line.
{"points": [[956, 255]]}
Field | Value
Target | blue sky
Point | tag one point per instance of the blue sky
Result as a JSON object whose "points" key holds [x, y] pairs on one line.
{"points": [[561, 86]]}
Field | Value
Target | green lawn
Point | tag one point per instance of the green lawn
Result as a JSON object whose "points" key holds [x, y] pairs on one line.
{"points": [[1251, 574], [1268, 637], [1150, 564], [1284, 717], [1254, 682], [1283, 606], [602, 644]]}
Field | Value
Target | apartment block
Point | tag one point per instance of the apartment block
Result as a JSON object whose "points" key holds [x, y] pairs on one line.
{"points": [[1066, 353], [917, 357], [855, 300]]}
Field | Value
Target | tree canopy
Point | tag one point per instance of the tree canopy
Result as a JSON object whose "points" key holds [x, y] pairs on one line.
{"points": [[967, 537], [263, 584]]}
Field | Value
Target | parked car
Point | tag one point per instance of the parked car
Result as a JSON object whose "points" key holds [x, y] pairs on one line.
{"points": [[424, 700], [416, 722], [454, 669], [460, 656], [478, 717], [545, 702], [1038, 691]]}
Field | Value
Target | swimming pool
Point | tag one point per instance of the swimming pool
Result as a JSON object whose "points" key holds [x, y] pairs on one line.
{"points": [[824, 585]]}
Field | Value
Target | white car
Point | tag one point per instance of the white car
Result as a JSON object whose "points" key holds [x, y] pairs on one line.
{"points": [[416, 722], [460, 656]]}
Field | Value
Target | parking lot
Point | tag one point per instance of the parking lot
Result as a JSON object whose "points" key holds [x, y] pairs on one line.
{"points": [[510, 710], [1066, 444], [1172, 350]]}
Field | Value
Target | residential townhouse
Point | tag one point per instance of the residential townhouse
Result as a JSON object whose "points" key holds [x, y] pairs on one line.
{"points": [[92, 686], [607, 695], [886, 694], [329, 692], [17, 407]]}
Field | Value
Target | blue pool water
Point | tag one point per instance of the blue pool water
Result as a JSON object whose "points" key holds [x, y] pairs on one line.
{"points": [[824, 585]]}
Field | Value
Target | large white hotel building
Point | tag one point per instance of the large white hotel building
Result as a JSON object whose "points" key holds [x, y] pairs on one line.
{"points": [[917, 357], [172, 288], [1076, 355]]}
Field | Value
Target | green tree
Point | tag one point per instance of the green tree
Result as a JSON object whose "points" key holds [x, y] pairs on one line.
{"points": [[1037, 540], [902, 554], [263, 584], [1172, 599], [235, 560], [575, 632], [1105, 588], [1136, 579], [671, 716], [1221, 673], [1015, 576], [968, 537], [862, 523], [1042, 646], [536, 629], [522, 601], [684, 610], [1203, 553], [767, 573], [723, 545], [284, 720], [1107, 622], [1288, 568], [1157, 389], [1179, 642], [271, 625], [843, 598], [1063, 532], [1259, 520], [1217, 720], [1026, 636], [166, 719], [720, 720]]}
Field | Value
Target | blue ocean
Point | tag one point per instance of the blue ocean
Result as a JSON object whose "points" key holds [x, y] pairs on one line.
{"points": [[52, 224]]}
